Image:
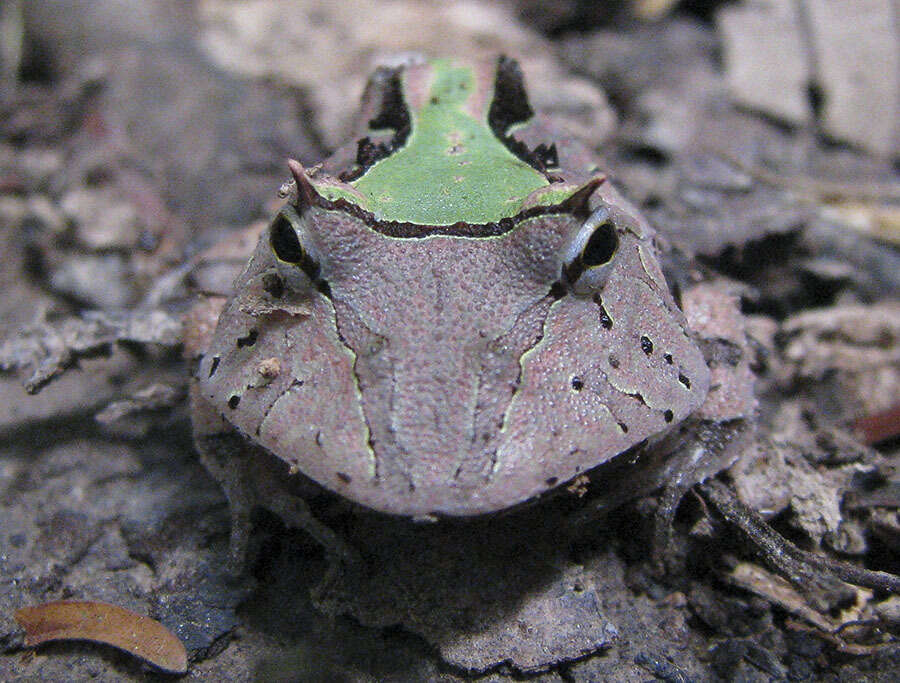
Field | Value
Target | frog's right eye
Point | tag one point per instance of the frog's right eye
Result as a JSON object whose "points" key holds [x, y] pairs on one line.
{"points": [[588, 258], [294, 262]]}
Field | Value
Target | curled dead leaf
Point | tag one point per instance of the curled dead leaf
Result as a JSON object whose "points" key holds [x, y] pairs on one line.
{"points": [[101, 622]]}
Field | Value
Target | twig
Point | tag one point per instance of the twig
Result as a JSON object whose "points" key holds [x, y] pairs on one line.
{"points": [[796, 565]]}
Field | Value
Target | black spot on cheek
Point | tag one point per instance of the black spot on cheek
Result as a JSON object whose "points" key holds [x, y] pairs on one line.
{"points": [[233, 401], [345, 478], [274, 285], [214, 365], [577, 384], [646, 345], [248, 340], [605, 320], [623, 427], [684, 380], [552, 481], [668, 416], [613, 360], [668, 358]]}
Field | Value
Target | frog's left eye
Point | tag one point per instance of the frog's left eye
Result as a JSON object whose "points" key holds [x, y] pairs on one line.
{"points": [[294, 262], [587, 260]]}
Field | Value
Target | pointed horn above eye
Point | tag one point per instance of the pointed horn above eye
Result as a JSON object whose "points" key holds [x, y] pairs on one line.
{"points": [[306, 193], [579, 201]]}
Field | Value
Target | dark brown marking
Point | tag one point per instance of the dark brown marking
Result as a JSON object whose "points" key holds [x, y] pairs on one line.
{"points": [[273, 285], [248, 340], [605, 320]]}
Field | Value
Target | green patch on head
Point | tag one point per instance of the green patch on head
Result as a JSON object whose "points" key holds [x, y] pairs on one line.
{"points": [[452, 167]]}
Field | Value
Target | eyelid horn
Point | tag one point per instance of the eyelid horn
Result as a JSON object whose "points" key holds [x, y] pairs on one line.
{"points": [[306, 193]]}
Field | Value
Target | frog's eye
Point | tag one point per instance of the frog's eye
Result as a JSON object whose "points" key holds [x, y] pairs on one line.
{"points": [[294, 262], [587, 260]]}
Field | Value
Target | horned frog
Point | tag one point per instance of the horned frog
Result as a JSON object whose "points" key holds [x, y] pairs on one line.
{"points": [[450, 316]]}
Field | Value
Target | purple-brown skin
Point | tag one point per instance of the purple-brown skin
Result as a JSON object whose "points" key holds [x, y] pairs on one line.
{"points": [[430, 370]]}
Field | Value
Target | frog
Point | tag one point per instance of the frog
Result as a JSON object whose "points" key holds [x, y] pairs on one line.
{"points": [[453, 315]]}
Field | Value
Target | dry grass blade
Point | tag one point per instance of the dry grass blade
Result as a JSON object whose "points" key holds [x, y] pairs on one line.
{"points": [[104, 623]]}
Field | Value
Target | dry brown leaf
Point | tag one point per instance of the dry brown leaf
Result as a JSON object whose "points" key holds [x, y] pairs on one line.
{"points": [[780, 592], [879, 427], [104, 623]]}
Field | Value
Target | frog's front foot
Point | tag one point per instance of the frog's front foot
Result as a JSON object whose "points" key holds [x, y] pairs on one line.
{"points": [[240, 504], [342, 558], [295, 512], [231, 462]]}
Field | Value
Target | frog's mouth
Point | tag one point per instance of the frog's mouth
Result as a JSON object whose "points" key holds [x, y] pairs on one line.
{"points": [[480, 393]]}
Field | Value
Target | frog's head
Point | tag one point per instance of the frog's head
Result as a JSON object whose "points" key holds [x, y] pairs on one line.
{"points": [[458, 323]]}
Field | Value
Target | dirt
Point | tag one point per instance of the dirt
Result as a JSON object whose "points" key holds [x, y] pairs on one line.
{"points": [[130, 141]]}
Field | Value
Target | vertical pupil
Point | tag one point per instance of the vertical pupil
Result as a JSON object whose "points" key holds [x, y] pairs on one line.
{"points": [[601, 246], [284, 241]]}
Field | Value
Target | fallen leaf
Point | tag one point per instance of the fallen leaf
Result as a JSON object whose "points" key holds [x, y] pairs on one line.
{"points": [[879, 427], [104, 623], [779, 592]]}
